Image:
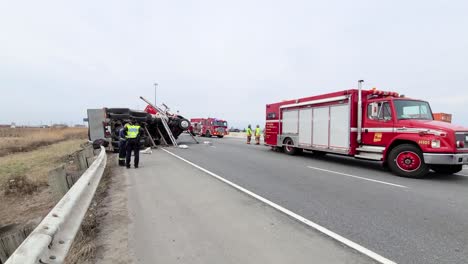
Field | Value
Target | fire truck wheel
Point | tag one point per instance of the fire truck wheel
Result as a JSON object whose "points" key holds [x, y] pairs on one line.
{"points": [[288, 149], [220, 136], [447, 169], [207, 133], [406, 160]]}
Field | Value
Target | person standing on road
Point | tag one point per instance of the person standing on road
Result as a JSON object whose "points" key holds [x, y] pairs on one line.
{"points": [[258, 132], [249, 134], [122, 145], [132, 134]]}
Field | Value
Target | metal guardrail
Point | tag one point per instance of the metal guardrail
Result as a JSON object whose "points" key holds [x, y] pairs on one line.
{"points": [[53, 237]]}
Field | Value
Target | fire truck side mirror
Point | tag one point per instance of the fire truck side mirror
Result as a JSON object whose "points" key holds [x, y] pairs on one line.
{"points": [[374, 110]]}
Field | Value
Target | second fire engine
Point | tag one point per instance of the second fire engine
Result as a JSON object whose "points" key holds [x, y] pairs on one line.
{"points": [[209, 127]]}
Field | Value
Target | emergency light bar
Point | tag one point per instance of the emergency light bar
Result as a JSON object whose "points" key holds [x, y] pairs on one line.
{"points": [[384, 93]]}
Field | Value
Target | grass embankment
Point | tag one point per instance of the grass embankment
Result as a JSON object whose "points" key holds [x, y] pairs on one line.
{"points": [[46, 149], [36, 164], [14, 140]]}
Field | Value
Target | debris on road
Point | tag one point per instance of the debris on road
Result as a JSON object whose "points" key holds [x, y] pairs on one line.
{"points": [[146, 151]]}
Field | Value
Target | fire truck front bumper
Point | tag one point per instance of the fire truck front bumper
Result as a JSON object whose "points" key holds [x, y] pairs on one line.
{"points": [[446, 158]]}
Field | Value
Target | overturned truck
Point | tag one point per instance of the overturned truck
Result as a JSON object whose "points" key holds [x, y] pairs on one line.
{"points": [[104, 123]]}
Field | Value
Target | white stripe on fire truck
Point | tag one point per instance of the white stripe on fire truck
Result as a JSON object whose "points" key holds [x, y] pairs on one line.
{"points": [[319, 101], [398, 129]]}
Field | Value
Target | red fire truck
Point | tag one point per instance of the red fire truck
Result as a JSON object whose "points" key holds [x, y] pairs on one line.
{"points": [[209, 127], [369, 124]]}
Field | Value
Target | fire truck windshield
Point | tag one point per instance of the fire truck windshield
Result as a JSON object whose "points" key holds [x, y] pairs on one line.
{"points": [[411, 109], [220, 123]]}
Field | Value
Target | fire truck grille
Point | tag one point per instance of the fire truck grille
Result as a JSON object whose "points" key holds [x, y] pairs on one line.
{"points": [[220, 130]]}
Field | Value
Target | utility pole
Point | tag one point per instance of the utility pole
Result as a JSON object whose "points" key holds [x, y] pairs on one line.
{"points": [[155, 91]]}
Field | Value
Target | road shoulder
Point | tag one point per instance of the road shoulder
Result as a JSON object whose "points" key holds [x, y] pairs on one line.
{"points": [[181, 215]]}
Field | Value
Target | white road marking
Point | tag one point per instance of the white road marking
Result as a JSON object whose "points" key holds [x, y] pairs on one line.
{"points": [[357, 177], [299, 218], [462, 175]]}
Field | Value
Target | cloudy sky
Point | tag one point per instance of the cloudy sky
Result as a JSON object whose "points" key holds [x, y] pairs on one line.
{"points": [[225, 59]]}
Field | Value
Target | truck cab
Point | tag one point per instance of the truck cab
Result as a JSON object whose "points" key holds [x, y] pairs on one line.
{"points": [[402, 132]]}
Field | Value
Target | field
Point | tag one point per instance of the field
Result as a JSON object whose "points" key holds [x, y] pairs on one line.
{"points": [[26, 139], [26, 156]]}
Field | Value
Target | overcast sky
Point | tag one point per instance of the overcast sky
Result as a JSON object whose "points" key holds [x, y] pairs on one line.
{"points": [[225, 59]]}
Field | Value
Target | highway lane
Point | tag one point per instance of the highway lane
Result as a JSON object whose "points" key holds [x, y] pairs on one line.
{"points": [[405, 220]]}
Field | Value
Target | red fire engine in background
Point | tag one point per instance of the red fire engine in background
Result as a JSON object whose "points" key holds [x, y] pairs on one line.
{"points": [[369, 124], [209, 127]]}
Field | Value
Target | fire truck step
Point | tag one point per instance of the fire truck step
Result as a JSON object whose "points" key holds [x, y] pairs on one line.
{"points": [[372, 149], [369, 156]]}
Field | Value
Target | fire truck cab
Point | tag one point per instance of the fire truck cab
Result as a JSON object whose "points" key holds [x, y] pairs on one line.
{"points": [[209, 127], [369, 124]]}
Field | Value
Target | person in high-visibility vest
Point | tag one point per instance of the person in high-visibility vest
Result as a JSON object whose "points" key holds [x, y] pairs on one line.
{"points": [[258, 132], [249, 134], [132, 134]]}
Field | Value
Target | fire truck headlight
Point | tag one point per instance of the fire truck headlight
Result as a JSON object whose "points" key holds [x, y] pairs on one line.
{"points": [[435, 144]]}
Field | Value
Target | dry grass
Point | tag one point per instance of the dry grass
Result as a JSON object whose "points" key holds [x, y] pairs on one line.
{"points": [[28, 196], [35, 165], [26, 139]]}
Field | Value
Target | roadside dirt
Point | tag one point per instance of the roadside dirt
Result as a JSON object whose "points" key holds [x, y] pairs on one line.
{"points": [[84, 248], [113, 221], [21, 209], [104, 235]]}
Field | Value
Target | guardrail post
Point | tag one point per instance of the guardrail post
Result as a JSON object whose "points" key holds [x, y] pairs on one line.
{"points": [[81, 161], [58, 182], [11, 237]]}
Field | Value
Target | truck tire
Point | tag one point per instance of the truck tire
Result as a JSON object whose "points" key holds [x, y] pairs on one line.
{"points": [[115, 116], [447, 169], [184, 124], [139, 119], [118, 111], [407, 160], [288, 149], [139, 114]]}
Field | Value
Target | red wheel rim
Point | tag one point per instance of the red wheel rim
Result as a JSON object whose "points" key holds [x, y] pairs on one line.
{"points": [[408, 161]]}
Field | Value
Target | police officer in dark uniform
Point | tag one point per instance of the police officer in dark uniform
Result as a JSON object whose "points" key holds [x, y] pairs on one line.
{"points": [[122, 145], [132, 134]]}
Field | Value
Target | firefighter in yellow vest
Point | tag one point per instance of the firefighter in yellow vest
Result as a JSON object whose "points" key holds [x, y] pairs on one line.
{"points": [[258, 132], [249, 134], [132, 134]]}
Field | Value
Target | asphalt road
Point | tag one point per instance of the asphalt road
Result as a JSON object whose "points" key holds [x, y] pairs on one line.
{"points": [[405, 220], [180, 214]]}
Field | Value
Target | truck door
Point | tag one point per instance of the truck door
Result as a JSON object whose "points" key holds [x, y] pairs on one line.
{"points": [[378, 124]]}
